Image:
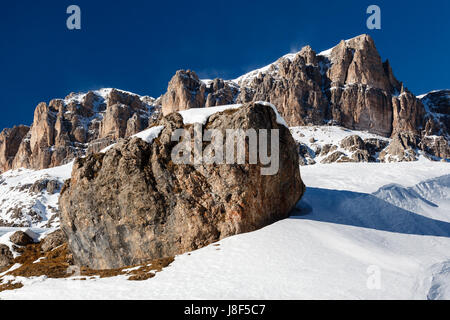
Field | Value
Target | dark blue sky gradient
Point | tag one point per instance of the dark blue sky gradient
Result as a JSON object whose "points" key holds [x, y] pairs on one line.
{"points": [[138, 45]]}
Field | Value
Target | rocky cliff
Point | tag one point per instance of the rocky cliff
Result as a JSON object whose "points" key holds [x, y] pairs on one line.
{"points": [[10, 140], [133, 203], [75, 126], [348, 85]]}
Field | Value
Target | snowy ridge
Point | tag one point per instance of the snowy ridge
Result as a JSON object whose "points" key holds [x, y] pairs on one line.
{"points": [[431, 101], [272, 67], [430, 198], [201, 115], [102, 94], [25, 198], [327, 53], [99, 104]]}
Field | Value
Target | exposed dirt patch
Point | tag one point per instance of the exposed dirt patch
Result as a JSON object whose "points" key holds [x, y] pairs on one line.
{"points": [[58, 263], [10, 286]]}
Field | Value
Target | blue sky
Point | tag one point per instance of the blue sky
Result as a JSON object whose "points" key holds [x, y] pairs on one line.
{"points": [[138, 45]]}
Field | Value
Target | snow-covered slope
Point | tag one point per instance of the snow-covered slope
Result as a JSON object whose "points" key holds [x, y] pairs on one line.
{"points": [[319, 142], [348, 232], [29, 198]]}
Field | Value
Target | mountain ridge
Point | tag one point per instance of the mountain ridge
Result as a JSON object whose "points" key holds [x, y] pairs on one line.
{"points": [[347, 85]]}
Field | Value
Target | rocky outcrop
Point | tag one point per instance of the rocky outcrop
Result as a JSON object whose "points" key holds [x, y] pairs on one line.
{"points": [[133, 203], [330, 144], [401, 148], [74, 126], [10, 140], [408, 113], [187, 91], [20, 238], [6, 257], [435, 133]]}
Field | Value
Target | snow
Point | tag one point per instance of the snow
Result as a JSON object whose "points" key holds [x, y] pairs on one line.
{"points": [[15, 193], [150, 134], [147, 135], [327, 53], [201, 115], [327, 135], [420, 97], [246, 78], [349, 222], [103, 93]]}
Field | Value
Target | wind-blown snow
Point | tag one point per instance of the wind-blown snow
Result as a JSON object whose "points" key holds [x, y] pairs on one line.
{"points": [[201, 115], [150, 134], [327, 53], [343, 228], [147, 135]]}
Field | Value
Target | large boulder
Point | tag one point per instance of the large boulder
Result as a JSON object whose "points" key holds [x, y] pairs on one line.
{"points": [[134, 203]]}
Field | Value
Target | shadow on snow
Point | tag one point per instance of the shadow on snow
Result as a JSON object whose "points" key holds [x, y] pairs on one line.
{"points": [[366, 211]]}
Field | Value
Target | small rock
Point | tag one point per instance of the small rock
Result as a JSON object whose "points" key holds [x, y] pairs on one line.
{"points": [[361, 156], [327, 148], [334, 157], [53, 186], [353, 143], [20, 238]]}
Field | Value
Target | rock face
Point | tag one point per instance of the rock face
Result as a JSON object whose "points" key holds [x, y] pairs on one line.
{"points": [[20, 238], [6, 257], [348, 85], [10, 140], [435, 133], [329, 144], [187, 91], [74, 126], [133, 203]]}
